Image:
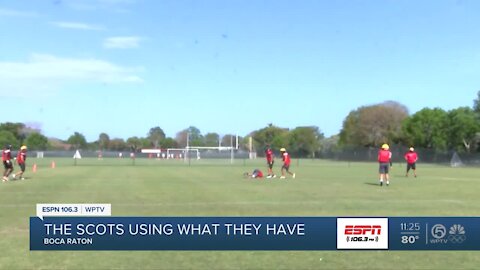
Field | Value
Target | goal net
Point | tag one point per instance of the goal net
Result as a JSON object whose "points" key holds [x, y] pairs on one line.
{"points": [[455, 161]]}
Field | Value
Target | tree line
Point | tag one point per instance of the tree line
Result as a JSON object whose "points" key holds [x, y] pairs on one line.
{"points": [[431, 128], [367, 126]]}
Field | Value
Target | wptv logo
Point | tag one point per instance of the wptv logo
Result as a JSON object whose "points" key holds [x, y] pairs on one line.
{"points": [[362, 233]]}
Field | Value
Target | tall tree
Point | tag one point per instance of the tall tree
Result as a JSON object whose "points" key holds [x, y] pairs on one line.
{"points": [[476, 103], [305, 141], [168, 143], [103, 141], [329, 145], [427, 128], [77, 140], [194, 136], [463, 128], [36, 141], [117, 144], [212, 139], [155, 135], [135, 143], [7, 137], [374, 125], [275, 136], [15, 128]]}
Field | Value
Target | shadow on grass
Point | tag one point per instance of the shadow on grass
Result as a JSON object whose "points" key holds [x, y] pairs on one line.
{"points": [[371, 184], [18, 180]]}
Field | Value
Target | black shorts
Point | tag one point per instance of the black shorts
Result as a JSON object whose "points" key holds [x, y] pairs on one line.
{"points": [[383, 168], [8, 165], [286, 167], [22, 166], [411, 166], [270, 164]]}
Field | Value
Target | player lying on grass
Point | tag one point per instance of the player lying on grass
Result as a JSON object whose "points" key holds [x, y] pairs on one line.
{"points": [[255, 174]]}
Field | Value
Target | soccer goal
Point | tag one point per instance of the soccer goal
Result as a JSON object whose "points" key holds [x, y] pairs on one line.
{"points": [[455, 161]]}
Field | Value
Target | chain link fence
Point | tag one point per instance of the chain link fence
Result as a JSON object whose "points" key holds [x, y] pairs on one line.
{"points": [[398, 151], [199, 157]]}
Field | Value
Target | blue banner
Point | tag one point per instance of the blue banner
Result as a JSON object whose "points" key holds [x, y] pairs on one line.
{"points": [[255, 233], [434, 233]]}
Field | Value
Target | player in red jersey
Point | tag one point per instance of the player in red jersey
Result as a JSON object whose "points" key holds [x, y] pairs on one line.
{"points": [[21, 158], [411, 157], [384, 160], [255, 174], [286, 163], [7, 162], [270, 160]]}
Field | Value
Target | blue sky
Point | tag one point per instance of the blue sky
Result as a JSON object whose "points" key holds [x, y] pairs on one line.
{"points": [[124, 66]]}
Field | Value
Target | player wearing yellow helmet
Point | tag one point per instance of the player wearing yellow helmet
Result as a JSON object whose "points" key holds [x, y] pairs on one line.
{"points": [[384, 160], [21, 158]]}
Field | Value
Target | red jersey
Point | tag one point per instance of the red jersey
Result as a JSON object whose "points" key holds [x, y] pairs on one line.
{"points": [[269, 155], [384, 156], [286, 158], [6, 155], [21, 157], [411, 157]]}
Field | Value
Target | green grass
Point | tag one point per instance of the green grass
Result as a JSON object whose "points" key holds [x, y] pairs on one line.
{"points": [[216, 188]]}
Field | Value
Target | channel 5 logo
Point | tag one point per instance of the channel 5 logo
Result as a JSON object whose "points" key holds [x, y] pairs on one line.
{"points": [[362, 233]]}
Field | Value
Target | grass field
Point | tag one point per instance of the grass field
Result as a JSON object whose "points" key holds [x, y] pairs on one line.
{"points": [[216, 188]]}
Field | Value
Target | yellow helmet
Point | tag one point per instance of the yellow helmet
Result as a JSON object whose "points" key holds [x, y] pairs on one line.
{"points": [[385, 146], [24, 147], [283, 150]]}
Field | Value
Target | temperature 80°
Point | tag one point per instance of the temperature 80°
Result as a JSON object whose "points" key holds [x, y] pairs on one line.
{"points": [[409, 239]]}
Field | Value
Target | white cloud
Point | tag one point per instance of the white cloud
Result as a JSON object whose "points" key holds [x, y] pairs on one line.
{"points": [[122, 42], [44, 73], [16, 13], [78, 26]]}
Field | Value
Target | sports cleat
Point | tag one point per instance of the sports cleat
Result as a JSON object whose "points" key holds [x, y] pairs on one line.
{"points": [[269, 176], [282, 177], [381, 183], [274, 176], [5, 179], [293, 176], [388, 184]]}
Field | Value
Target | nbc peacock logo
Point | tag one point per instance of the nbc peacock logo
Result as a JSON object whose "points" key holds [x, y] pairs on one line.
{"points": [[457, 234]]}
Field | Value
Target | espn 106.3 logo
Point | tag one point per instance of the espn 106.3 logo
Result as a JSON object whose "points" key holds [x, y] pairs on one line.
{"points": [[362, 233]]}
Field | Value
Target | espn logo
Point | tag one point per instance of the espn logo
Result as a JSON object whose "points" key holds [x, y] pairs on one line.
{"points": [[363, 229], [362, 233]]}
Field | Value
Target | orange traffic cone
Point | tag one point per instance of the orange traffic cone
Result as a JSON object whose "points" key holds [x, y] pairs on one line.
{"points": [[53, 165], [34, 168]]}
